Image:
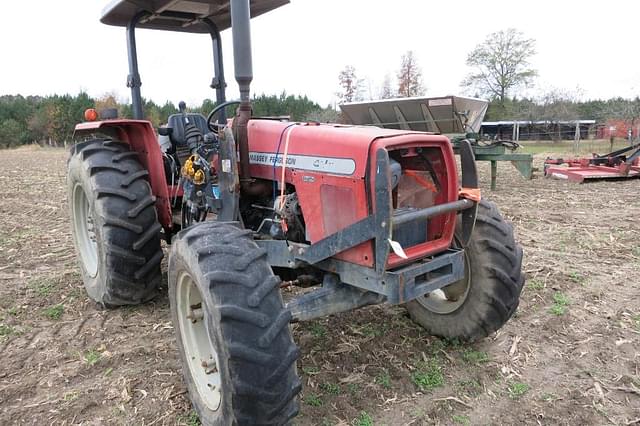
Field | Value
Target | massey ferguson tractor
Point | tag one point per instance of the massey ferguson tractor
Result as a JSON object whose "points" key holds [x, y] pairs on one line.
{"points": [[361, 215]]}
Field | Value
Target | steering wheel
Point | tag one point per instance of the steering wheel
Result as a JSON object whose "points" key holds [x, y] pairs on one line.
{"points": [[210, 122]]}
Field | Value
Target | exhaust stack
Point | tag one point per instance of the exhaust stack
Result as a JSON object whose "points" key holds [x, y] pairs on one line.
{"points": [[241, 32]]}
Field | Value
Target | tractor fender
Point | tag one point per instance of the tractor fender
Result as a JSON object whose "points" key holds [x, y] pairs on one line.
{"points": [[141, 137]]}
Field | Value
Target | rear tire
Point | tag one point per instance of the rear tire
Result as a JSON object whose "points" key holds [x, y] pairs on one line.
{"points": [[114, 223], [489, 294], [238, 356]]}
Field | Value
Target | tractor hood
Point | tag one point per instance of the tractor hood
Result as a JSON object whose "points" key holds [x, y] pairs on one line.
{"points": [[180, 15], [323, 148]]}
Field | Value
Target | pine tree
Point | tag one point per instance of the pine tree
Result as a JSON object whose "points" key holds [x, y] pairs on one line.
{"points": [[410, 77]]}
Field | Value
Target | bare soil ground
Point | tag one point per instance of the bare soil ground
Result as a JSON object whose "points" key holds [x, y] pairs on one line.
{"points": [[571, 355]]}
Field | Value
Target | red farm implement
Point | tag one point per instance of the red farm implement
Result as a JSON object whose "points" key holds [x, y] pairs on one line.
{"points": [[621, 164]]}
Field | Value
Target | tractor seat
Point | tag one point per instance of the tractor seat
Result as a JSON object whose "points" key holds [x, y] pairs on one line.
{"points": [[177, 124]]}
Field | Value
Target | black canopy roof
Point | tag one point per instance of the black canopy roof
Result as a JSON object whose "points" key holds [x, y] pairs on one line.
{"points": [[180, 15]]}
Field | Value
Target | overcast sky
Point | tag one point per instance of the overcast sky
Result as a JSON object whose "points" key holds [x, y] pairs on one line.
{"points": [[60, 47]]}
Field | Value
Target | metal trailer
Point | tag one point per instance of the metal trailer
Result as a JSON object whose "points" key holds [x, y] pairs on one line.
{"points": [[458, 117]]}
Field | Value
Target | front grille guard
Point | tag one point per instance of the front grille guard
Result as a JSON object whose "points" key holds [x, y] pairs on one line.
{"points": [[402, 284]]}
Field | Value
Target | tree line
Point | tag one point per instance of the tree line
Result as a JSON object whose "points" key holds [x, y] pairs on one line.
{"points": [[500, 70], [52, 119], [560, 106]]}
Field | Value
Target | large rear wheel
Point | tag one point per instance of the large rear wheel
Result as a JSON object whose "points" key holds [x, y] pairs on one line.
{"points": [[114, 223], [238, 356], [488, 295]]}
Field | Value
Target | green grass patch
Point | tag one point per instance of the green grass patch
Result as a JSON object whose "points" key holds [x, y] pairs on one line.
{"points": [[471, 356], [428, 375], [190, 419], [313, 400], [535, 284], [364, 419], [470, 385], [43, 286], [71, 396], [517, 390], [437, 345], [54, 312], [459, 419], [311, 370], [17, 237], [13, 311], [318, 330], [353, 388], [636, 320], [371, 330], [560, 303], [566, 147], [576, 277], [6, 330], [384, 380], [92, 357], [330, 388]]}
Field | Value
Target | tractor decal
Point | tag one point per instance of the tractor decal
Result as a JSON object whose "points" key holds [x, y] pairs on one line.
{"points": [[338, 166]]}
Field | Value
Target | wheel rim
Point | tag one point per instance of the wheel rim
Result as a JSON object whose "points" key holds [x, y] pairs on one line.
{"points": [[200, 354], [85, 233], [450, 298]]}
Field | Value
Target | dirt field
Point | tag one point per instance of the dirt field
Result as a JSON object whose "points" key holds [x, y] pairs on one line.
{"points": [[571, 355]]}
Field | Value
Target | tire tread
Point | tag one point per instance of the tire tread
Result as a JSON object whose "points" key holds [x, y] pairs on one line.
{"points": [[131, 241], [253, 321]]}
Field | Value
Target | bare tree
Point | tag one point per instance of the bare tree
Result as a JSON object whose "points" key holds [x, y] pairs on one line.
{"points": [[559, 104], [386, 92], [350, 85], [501, 64], [410, 77]]}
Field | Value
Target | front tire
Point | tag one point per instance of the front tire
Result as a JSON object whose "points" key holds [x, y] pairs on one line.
{"points": [[238, 356], [114, 223], [488, 295]]}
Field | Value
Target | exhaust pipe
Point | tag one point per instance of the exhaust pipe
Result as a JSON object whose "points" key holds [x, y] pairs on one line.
{"points": [[241, 32]]}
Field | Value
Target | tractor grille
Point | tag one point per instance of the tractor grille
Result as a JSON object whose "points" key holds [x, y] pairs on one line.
{"points": [[409, 234]]}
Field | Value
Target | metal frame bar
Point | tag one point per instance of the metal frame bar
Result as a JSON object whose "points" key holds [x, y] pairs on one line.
{"points": [[522, 162], [134, 81], [218, 83], [404, 284], [607, 157]]}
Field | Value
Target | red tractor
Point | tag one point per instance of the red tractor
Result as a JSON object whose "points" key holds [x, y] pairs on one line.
{"points": [[364, 214]]}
